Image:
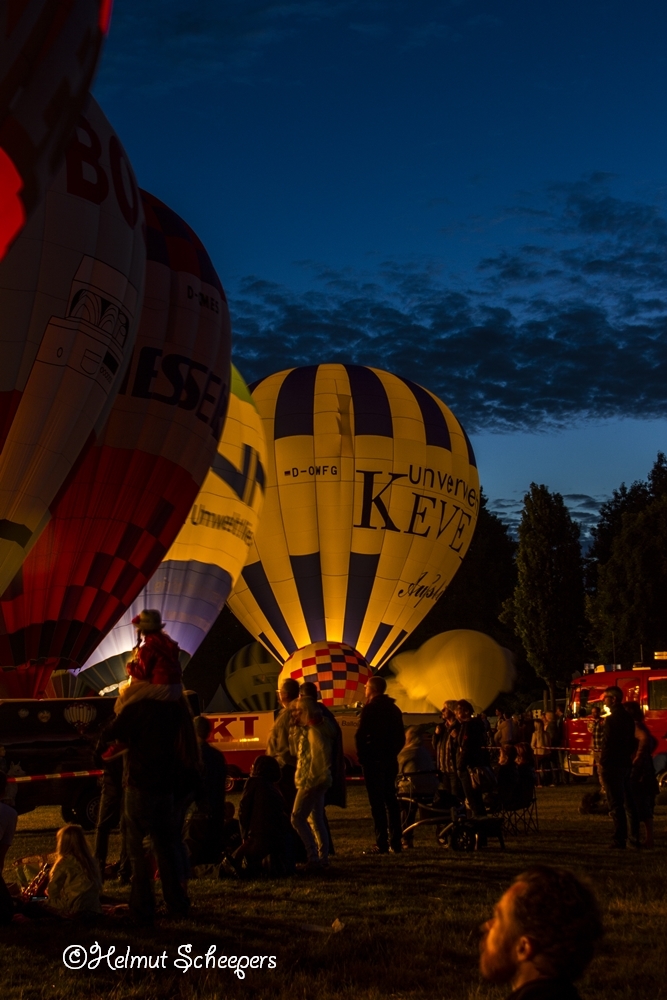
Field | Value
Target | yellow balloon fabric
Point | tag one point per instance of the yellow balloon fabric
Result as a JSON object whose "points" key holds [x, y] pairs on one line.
{"points": [[458, 664], [372, 496], [192, 583]]}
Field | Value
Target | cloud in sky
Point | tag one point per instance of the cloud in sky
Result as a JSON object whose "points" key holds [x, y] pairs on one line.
{"points": [[570, 325], [584, 511], [160, 45]]}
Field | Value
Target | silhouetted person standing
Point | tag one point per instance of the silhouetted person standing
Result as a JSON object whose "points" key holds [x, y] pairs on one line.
{"points": [[380, 738], [618, 749]]}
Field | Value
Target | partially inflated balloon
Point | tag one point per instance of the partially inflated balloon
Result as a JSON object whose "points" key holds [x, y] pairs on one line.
{"points": [[452, 665], [338, 670], [371, 501], [251, 678], [125, 502], [192, 583], [70, 298], [48, 54]]}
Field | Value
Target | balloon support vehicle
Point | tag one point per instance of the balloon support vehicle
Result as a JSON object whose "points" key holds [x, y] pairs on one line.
{"points": [[243, 737], [53, 736], [644, 684]]}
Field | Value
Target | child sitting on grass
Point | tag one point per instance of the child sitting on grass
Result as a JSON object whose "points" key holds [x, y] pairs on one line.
{"points": [[74, 881]]}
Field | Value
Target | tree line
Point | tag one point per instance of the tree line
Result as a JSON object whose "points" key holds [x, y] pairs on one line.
{"points": [[557, 608]]}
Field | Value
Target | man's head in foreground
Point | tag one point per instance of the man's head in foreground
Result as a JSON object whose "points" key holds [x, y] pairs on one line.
{"points": [[544, 927]]}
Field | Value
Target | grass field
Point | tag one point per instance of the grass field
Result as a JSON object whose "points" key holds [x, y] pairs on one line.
{"points": [[410, 920]]}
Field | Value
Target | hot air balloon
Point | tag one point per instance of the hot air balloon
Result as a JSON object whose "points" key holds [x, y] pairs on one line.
{"points": [[372, 497], [458, 664], [48, 54], [338, 670], [191, 585], [129, 495], [70, 297], [251, 678]]}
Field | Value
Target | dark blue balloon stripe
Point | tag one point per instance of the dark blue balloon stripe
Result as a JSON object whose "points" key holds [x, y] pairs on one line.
{"points": [[295, 403], [372, 410], [260, 588], [435, 424], [360, 580], [307, 572]]}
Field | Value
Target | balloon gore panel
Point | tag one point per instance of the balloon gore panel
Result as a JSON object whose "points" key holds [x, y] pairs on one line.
{"points": [[372, 496], [339, 671]]}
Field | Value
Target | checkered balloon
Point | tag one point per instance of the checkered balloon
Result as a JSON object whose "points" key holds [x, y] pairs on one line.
{"points": [[338, 670]]}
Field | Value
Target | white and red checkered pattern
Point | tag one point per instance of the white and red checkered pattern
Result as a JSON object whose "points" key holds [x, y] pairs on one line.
{"points": [[339, 671]]}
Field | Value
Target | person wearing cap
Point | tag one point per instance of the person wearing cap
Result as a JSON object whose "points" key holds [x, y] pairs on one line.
{"points": [[153, 672], [155, 669]]}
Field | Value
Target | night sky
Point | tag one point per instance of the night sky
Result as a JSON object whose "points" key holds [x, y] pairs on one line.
{"points": [[470, 194]]}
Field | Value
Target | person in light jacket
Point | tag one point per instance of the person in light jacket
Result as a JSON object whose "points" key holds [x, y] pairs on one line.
{"points": [[314, 737]]}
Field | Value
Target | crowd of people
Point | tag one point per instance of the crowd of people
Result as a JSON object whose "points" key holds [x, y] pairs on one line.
{"points": [[163, 784]]}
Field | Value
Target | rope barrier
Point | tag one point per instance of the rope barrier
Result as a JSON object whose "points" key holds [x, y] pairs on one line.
{"points": [[49, 777]]}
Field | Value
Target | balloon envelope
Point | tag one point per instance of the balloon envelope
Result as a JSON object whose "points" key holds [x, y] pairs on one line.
{"points": [[458, 664], [251, 678], [193, 581], [48, 54], [130, 493], [372, 497], [338, 670], [70, 297]]}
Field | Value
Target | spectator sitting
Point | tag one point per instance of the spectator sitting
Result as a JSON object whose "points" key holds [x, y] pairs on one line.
{"points": [[542, 935], [74, 881], [507, 776], [231, 832], [415, 761], [205, 826], [265, 826], [525, 765]]}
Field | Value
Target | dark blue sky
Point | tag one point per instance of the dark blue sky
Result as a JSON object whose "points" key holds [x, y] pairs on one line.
{"points": [[469, 193]]}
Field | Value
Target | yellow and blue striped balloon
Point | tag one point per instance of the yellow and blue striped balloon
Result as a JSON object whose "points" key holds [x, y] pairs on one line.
{"points": [[192, 583], [372, 496]]}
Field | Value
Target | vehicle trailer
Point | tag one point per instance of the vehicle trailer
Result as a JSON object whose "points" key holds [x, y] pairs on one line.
{"points": [[646, 685], [54, 736], [241, 737]]}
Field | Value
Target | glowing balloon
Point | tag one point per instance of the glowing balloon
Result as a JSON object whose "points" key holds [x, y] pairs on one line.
{"points": [[338, 670], [192, 583], [372, 497], [48, 54], [70, 298], [453, 665], [130, 493], [65, 684], [251, 679]]}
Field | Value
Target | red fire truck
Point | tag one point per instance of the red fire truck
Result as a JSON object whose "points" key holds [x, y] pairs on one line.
{"points": [[644, 683]]}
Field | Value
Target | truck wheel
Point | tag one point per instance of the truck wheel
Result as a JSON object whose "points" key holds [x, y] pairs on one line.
{"points": [[230, 784], [67, 814], [87, 808]]}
